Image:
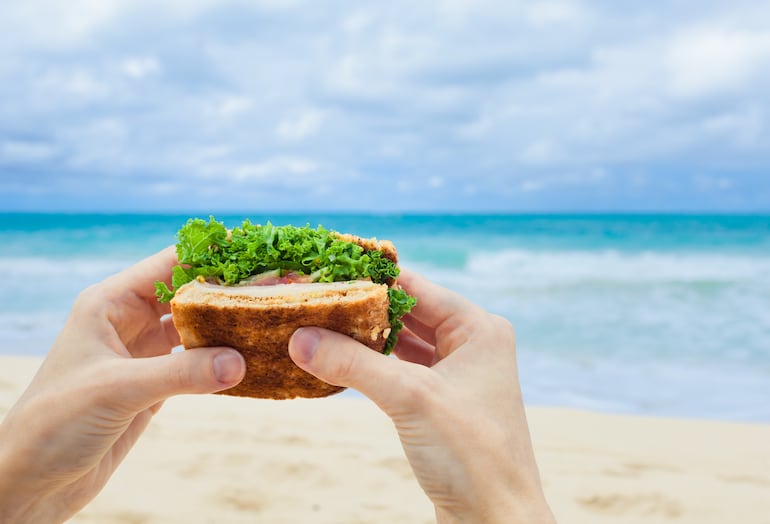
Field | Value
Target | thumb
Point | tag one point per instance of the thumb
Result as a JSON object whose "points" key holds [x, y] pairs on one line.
{"points": [[202, 370], [342, 361]]}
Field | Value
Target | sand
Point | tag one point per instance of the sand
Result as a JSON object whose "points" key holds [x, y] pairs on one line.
{"points": [[208, 459]]}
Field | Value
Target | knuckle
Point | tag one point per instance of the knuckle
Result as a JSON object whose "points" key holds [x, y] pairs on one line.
{"points": [[103, 383], [88, 300], [455, 331], [504, 326], [344, 369], [95, 301], [423, 390]]}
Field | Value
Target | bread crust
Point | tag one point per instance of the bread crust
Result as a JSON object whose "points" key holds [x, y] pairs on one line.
{"points": [[372, 244], [259, 323]]}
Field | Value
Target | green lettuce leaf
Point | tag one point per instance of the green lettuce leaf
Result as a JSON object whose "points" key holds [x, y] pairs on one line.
{"points": [[206, 249], [401, 303]]}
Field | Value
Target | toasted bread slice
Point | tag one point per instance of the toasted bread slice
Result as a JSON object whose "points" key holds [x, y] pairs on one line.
{"points": [[258, 321]]}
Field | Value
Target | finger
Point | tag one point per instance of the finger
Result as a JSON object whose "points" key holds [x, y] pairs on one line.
{"points": [[160, 309], [170, 333], [157, 339], [342, 361], [414, 349], [435, 304], [141, 277], [428, 334], [144, 382]]}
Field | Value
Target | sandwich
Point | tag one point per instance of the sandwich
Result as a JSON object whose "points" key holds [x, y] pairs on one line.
{"points": [[252, 286]]}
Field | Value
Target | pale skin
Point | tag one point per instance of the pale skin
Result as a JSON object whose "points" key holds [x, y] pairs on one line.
{"points": [[97, 390], [453, 395]]}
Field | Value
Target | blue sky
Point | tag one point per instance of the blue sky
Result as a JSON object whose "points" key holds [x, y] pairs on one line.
{"points": [[455, 105]]}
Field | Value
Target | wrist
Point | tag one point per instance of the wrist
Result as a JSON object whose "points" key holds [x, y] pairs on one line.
{"points": [[13, 506]]}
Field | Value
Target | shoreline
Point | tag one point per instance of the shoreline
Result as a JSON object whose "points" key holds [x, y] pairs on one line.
{"points": [[225, 459]]}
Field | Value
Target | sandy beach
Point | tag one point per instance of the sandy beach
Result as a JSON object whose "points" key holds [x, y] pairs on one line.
{"points": [[209, 459]]}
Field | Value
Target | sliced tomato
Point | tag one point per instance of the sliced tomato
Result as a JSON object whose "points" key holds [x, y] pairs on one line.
{"points": [[270, 278], [292, 277]]}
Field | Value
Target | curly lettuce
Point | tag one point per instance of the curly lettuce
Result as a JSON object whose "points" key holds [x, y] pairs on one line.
{"points": [[209, 250]]}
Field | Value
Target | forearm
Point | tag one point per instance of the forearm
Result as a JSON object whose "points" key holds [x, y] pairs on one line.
{"points": [[25, 494], [29, 511], [17, 503], [500, 483], [495, 498]]}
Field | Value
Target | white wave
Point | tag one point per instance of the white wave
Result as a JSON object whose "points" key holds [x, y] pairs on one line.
{"points": [[670, 387], [535, 269], [42, 283], [710, 306], [50, 267], [576, 266], [31, 332]]}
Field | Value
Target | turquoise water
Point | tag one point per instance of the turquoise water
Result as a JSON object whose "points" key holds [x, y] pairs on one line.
{"points": [[660, 315]]}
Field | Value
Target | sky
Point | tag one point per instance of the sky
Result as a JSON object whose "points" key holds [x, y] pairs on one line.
{"points": [[398, 106]]}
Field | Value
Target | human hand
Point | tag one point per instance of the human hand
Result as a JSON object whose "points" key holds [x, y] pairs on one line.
{"points": [[108, 372], [454, 396]]}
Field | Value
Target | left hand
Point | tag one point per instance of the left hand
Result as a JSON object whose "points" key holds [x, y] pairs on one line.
{"points": [[108, 372]]}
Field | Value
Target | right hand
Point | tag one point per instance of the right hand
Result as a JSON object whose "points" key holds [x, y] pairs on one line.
{"points": [[455, 399]]}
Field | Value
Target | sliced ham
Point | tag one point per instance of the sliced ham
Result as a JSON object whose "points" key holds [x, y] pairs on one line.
{"points": [[273, 277]]}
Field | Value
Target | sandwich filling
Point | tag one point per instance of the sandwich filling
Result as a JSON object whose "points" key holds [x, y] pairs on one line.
{"points": [[267, 255]]}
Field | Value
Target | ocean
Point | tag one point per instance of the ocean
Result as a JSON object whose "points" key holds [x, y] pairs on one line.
{"points": [[663, 315]]}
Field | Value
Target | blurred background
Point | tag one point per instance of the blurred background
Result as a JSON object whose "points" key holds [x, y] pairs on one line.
{"points": [[595, 172]]}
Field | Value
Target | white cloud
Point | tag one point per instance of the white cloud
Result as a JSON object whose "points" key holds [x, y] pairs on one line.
{"points": [[26, 151], [163, 188], [436, 182], [540, 152], [356, 22], [349, 74], [531, 185], [306, 124], [49, 24], [378, 62], [100, 145], [745, 128], [273, 168], [708, 60], [566, 180], [490, 94], [711, 183], [478, 128], [544, 13], [404, 186], [140, 67], [230, 106], [78, 81]]}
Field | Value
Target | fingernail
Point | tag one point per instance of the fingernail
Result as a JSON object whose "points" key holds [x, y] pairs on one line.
{"points": [[228, 366], [305, 343]]}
